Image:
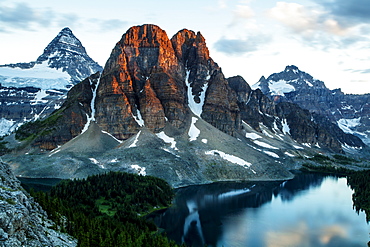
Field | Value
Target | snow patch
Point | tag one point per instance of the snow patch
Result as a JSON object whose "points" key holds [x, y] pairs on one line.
{"points": [[92, 105], [170, 151], [39, 97], [280, 87], [104, 132], [289, 154], [286, 129], [7, 126], [347, 124], [252, 136], [139, 120], [272, 154], [308, 83], [205, 141], [133, 144], [230, 158], [267, 133], [196, 108], [297, 147], [264, 144], [167, 139], [140, 170], [349, 148], [94, 161], [193, 130]]}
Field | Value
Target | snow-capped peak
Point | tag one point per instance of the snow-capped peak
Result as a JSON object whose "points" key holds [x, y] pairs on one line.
{"points": [[64, 60], [289, 80], [64, 41]]}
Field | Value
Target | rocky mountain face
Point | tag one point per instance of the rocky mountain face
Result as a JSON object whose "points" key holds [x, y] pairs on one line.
{"points": [[349, 112], [151, 80], [66, 52], [22, 221], [29, 91], [163, 107], [303, 126]]}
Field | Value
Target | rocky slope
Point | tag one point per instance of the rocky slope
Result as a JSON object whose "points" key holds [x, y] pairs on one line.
{"points": [[163, 106], [22, 221], [348, 111], [29, 91]]}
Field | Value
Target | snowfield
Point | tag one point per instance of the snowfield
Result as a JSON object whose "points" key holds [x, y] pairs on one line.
{"points": [[347, 124], [40, 76], [7, 126]]}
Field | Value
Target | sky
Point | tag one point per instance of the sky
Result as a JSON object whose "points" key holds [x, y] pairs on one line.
{"points": [[329, 39]]}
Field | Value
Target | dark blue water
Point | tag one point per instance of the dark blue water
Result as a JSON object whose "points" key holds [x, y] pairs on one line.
{"points": [[310, 210]]}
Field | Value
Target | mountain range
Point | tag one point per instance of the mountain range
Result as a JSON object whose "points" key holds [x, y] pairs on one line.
{"points": [[29, 91], [163, 107], [350, 112]]}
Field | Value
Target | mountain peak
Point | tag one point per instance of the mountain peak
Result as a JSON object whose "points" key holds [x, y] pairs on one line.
{"points": [[291, 68], [67, 53], [66, 30], [64, 42]]}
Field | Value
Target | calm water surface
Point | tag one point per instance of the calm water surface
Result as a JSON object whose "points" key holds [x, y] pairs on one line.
{"points": [[310, 210]]}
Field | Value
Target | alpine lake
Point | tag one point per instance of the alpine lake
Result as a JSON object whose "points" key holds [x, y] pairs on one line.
{"points": [[310, 210]]}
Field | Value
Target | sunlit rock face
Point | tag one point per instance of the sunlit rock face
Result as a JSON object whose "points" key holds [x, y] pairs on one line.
{"points": [[150, 80], [141, 84]]}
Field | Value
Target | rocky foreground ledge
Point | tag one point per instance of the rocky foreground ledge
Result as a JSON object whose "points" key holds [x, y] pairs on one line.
{"points": [[22, 221]]}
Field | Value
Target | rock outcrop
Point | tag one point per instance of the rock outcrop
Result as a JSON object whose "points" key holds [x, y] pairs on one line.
{"points": [[22, 220]]}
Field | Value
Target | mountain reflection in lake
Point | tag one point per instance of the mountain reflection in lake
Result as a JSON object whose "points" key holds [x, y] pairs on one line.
{"points": [[310, 210]]}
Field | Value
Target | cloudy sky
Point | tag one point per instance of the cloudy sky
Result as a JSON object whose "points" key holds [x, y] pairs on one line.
{"points": [[329, 39]]}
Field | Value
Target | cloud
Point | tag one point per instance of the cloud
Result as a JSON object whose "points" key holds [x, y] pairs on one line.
{"points": [[361, 71], [244, 11], [222, 4], [348, 12], [109, 25], [22, 16], [241, 46], [317, 26], [305, 20]]}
